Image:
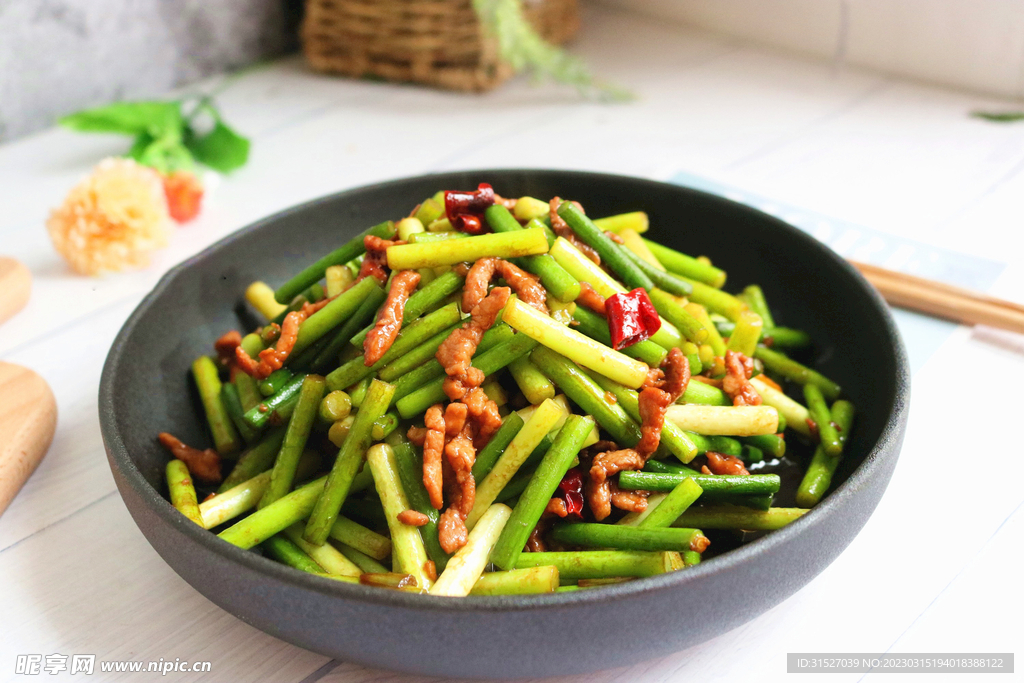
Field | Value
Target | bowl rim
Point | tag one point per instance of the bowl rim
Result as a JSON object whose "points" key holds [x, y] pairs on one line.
{"points": [[669, 581]]}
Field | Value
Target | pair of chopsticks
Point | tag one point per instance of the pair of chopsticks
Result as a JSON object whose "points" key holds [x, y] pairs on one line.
{"points": [[942, 300]]}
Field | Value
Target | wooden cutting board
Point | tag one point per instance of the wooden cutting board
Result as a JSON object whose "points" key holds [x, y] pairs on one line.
{"points": [[28, 418], [15, 285]]}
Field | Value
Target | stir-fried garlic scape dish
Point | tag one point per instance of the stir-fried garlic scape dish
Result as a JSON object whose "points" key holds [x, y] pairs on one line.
{"points": [[505, 396]]}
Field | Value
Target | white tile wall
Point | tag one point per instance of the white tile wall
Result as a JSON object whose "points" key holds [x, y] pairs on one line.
{"points": [[970, 44]]}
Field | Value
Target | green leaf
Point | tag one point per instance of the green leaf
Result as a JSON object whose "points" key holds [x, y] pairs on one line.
{"points": [[999, 116], [524, 49], [158, 119], [222, 149], [138, 150], [167, 154]]}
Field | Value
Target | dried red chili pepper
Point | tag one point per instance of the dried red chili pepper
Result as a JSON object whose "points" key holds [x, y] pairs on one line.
{"points": [[570, 490], [465, 210], [632, 318]]}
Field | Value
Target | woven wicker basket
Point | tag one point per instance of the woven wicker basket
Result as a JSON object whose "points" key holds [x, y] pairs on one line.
{"points": [[435, 42]]}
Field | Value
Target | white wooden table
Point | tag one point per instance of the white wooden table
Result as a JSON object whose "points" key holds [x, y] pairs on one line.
{"points": [[934, 570]]}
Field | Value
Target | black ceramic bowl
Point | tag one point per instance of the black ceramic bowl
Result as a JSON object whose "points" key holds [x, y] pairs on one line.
{"points": [[145, 389]]}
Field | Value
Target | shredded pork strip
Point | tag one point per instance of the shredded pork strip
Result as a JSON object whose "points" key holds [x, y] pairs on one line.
{"points": [[417, 435], [309, 309], [508, 203], [376, 260], [525, 285], [433, 452], [700, 543], [484, 413], [655, 400], [204, 466], [456, 352], [413, 518], [451, 530], [603, 466], [461, 455], [389, 319], [630, 501], [225, 347], [736, 384], [719, 463], [273, 358], [472, 418], [455, 415], [677, 373], [591, 299], [535, 543], [653, 403], [556, 506]]}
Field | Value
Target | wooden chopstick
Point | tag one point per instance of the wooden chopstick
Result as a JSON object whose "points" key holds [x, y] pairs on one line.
{"points": [[942, 300]]}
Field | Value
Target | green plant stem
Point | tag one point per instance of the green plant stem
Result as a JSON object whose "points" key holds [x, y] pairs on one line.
{"points": [[299, 426], [276, 517], [828, 435], [327, 556], [661, 279], [489, 362], [409, 463], [818, 477], [182, 491], [233, 405], [610, 252], [407, 544], [500, 440], [714, 486], [779, 363], [771, 444], [536, 387], [327, 357], [588, 395], [467, 564], [627, 537], [346, 466], [517, 582], [416, 358], [671, 310], [431, 370], [469, 249], [408, 339], [333, 314], [754, 296], [315, 272], [231, 503], [675, 440], [730, 517], [681, 497], [365, 563], [598, 564], [542, 421], [257, 459], [596, 327], [681, 264], [555, 279], [225, 438], [273, 383], [538, 492], [283, 550], [258, 416]]}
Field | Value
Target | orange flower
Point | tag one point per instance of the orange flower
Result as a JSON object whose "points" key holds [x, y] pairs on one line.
{"points": [[111, 220]]}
